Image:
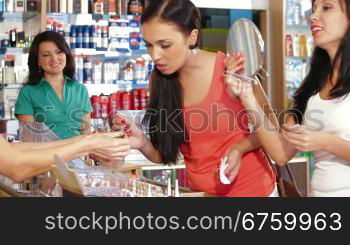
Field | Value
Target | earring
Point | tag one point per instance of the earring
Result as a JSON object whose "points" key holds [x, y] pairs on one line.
{"points": [[40, 69]]}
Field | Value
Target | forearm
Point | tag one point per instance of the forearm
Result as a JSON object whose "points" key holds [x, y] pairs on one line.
{"points": [[249, 143], [337, 146], [28, 146], [24, 164], [269, 136], [39, 161], [149, 151]]}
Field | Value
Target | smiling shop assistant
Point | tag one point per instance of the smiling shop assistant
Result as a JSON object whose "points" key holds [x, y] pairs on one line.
{"points": [[51, 95]]}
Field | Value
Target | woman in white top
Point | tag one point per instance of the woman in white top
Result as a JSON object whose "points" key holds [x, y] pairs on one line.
{"points": [[320, 119]]}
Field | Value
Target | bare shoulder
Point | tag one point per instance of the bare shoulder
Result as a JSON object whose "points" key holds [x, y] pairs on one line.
{"points": [[207, 58]]}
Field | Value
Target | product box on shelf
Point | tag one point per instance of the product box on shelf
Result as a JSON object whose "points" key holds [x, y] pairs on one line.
{"points": [[32, 5]]}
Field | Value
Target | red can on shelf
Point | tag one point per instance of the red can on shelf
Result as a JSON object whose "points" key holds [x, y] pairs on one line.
{"points": [[125, 101], [135, 99], [289, 45], [96, 106], [143, 99], [113, 104], [104, 105]]}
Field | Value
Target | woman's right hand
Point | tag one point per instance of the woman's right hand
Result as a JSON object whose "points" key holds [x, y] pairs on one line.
{"points": [[136, 135], [113, 146]]}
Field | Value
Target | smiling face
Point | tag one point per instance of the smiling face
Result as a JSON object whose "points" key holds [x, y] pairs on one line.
{"points": [[167, 45], [329, 23], [51, 59]]}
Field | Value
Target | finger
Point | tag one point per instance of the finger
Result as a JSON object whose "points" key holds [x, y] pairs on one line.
{"points": [[122, 142], [296, 128], [119, 120], [233, 174], [234, 65], [118, 154], [296, 136], [232, 163], [118, 127], [123, 148], [296, 143], [114, 134]]}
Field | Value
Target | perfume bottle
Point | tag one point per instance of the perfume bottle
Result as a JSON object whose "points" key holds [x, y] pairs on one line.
{"points": [[13, 38], [9, 5]]}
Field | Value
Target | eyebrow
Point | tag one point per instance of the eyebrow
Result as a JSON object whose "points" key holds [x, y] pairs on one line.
{"points": [[48, 51], [159, 41]]}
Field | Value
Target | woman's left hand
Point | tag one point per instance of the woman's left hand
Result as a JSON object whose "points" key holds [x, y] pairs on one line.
{"points": [[303, 138], [235, 63], [234, 157]]}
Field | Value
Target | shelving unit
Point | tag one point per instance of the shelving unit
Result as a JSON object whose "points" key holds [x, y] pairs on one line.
{"points": [[281, 89]]}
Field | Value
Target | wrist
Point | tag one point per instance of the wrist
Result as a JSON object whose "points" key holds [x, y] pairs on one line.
{"points": [[251, 103], [325, 142], [86, 143], [144, 142], [238, 148]]}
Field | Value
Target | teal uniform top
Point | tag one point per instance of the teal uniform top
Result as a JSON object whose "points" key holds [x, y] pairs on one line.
{"points": [[64, 117]]}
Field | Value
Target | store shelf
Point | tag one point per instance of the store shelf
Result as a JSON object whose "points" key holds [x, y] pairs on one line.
{"points": [[232, 4], [97, 89], [22, 16], [298, 58], [11, 85], [298, 27], [108, 53], [13, 50]]}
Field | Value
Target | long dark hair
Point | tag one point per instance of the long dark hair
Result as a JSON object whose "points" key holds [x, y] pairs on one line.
{"points": [[168, 133], [35, 73], [322, 68]]}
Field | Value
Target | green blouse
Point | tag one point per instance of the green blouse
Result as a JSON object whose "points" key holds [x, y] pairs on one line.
{"points": [[63, 117]]}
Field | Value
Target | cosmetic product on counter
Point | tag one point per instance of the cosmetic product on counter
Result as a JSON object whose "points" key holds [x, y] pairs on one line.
{"points": [[9, 75], [84, 7], [19, 6], [98, 7], [70, 6], [63, 6], [9, 5], [169, 187], [112, 7], [21, 39], [77, 6], [32, 5], [13, 38]]}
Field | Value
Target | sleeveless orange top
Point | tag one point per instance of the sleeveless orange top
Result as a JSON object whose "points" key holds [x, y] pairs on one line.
{"points": [[213, 126]]}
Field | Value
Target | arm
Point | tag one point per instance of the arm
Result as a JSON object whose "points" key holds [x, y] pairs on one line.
{"points": [[149, 151], [304, 140], [28, 146], [86, 124], [261, 115], [25, 118], [336, 146], [25, 146], [23, 164], [271, 140], [251, 142]]}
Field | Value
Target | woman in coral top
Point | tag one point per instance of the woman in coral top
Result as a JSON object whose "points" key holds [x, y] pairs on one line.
{"points": [[190, 110]]}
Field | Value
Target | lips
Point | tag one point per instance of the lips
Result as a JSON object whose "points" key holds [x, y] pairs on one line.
{"points": [[316, 29], [161, 67], [55, 65]]}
